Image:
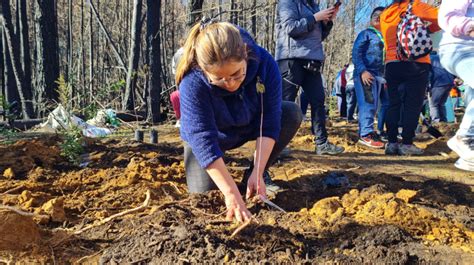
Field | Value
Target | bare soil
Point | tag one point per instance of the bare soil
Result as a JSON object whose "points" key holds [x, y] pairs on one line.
{"points": [[400, 210]]}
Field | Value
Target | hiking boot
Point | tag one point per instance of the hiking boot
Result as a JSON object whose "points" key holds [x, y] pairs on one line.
{"points": [[391, 149], [328, 149], [410, 150], [372, 141]]}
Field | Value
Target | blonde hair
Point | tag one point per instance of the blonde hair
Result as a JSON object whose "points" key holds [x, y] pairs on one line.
{"points": [[211, 45]]}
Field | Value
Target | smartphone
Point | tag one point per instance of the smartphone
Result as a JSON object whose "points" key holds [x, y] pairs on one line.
{"points": [[337, 4]]}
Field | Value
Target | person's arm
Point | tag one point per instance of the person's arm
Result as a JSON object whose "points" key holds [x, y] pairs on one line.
{"points": [[262, 154], [233, 200], [199, 127], [359, 51], [272, 97], [428, 13], [452, 17], [293, 24]]}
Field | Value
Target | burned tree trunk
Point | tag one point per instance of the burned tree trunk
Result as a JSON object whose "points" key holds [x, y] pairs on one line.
{"points": [[13, 44], [10, 91], [194, 11], [128, 99], [47, 57], [153, 45], [25, 56]]}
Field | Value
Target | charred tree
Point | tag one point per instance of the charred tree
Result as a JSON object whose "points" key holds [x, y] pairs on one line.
{"points": [[10, 91], [194, 11], [134, 56], [47, 51], [13, 44], [153, 45]]}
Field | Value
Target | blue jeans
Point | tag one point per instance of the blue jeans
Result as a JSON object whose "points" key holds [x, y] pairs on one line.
{"points": [[438, 98], [351, 99], [367, 110]]}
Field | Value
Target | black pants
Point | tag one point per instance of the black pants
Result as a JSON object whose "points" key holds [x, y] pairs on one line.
{"points": [[407, 82], [199, 181], [294, 76]]}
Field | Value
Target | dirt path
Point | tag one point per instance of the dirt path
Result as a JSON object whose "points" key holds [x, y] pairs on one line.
{"points": [[389, 209]]}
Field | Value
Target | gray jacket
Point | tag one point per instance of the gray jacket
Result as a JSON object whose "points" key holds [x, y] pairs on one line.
{"points": [[298, 35]]}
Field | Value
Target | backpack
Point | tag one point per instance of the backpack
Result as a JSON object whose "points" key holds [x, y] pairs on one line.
{"points": [[413, 36]]}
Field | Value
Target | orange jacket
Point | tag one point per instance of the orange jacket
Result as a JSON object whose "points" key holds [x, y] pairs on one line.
{"points": [[391, 17]]}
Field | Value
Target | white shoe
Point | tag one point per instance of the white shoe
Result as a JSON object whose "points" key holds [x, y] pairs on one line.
{"points": [[458, 145], [178, 124], [464, 164]]}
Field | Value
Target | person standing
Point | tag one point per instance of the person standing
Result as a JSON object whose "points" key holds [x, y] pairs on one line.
{"points": [[441, 83], [407, 78], [368, 56], [301, 28]]}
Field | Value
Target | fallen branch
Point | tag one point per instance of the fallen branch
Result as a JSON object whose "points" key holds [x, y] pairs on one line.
{"points": [[21, 212], [240, 228], [145, 204], [13, 189]]}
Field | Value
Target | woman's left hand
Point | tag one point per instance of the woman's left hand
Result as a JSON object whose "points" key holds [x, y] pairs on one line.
{"points": [[252, 185]]}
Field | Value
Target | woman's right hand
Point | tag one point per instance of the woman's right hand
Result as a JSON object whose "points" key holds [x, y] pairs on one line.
{"points": [[325, 14], [236, 207]]}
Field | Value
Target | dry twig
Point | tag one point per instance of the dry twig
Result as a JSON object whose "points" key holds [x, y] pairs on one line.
{"points": [[21, 212], [13, 189], [145, 204], [241, 227]]}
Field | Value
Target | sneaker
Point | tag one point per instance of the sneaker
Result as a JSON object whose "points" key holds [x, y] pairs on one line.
{"points": [[409, 150], [464, 164], [328, 149], [383, 137], [269, 184], [461, 147], [285, 152], [392, 149], [372, 140]]}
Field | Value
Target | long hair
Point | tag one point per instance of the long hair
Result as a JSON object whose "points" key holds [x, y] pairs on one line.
{"points": [[211, 45]]}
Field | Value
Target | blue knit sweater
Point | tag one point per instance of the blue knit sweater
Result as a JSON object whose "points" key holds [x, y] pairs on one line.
{"points": [[214, 120]]}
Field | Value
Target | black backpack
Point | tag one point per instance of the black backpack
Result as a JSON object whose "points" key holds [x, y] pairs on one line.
{"points": [[413, 36]]}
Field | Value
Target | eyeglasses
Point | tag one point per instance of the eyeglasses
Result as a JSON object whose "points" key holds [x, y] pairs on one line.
{"points": [[223, 81]]}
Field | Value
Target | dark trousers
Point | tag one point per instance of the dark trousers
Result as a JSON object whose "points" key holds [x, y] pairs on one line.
{"points": [[351, 100], [295, 76], [406, 83], [199, 181], [438, 98], [342, 103]]}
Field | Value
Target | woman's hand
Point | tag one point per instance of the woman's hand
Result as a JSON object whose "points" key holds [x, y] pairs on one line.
{"points": [[325, 14], [236, 207], [252, 185], [367, 78]]}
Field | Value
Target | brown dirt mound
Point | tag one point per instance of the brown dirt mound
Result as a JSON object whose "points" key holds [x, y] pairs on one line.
{"points": [[375, 206], [17, 232], [25, 155]]}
